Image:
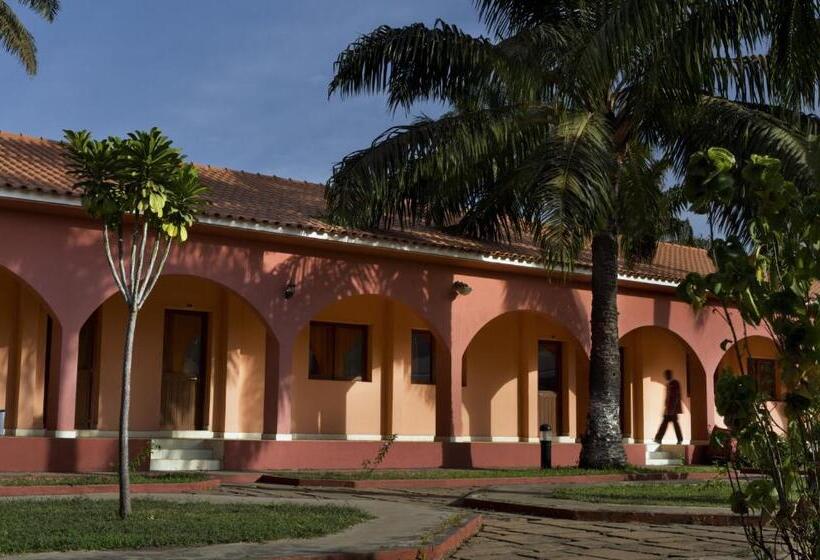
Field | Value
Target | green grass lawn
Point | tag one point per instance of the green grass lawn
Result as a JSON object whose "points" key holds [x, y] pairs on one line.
{"points": [[434, 474], [711, 493], [84, 524], [94, 479]]}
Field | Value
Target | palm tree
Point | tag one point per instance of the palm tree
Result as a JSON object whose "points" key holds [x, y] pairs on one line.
{"points": [[16, 39], [551, 124]]}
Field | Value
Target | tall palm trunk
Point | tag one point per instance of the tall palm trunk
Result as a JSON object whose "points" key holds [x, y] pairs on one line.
{"points": [[125, 405], [602, 442]]}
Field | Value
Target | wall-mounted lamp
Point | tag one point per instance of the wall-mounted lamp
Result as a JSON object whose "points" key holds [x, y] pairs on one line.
{"points": [[461, 288], [289, 290]]}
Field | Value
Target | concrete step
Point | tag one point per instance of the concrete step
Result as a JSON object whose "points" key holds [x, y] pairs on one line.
{"points": [[664, 462], [662, 455], [181, 443], [184, 453], [186, 464]]}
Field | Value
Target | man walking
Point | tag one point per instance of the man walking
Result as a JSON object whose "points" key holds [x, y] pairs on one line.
{"points": [[671, 408]]}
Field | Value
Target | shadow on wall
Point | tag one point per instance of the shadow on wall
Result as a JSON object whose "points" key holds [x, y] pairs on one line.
{"points": [[236, 343], [648, 352], [323, 280], [501, 371], [565, 302], [386, 402], [29, 356]]}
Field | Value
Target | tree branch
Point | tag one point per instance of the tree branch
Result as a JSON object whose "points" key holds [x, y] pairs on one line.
{"points": [[152, 281], [109, 257], [135, 234], [139, 280], [124, 277]]}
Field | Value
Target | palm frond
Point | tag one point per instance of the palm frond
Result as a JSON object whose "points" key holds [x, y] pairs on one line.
{"points": [[647, 210], [498, 204], [506, 18], [16, 39], [416, 63], [793, 49], [401, 177], [47, 9], [689, 32], [573, 197], [742, 128], [745, 130]]}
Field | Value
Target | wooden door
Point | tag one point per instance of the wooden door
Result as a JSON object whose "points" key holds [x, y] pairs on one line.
{"points": [[184, 359], [549, 385], [85, 412]]}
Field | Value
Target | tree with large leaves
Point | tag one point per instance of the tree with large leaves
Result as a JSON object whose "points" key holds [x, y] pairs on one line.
{"points": [[552, 123], [16, 39], [147, 197]]}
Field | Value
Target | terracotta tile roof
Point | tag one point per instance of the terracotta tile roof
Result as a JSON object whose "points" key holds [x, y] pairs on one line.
{"points": [[37, 164]]}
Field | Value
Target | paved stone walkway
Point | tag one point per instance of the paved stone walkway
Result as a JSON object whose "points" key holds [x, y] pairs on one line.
{"points": [[511, 536], [504, 536], [517, 536]]}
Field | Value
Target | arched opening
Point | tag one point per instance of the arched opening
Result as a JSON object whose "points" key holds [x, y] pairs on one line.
{"points": [[758, 357], [646, 353], [27, 334], [366, 367], [199, 363], [523, 369]]}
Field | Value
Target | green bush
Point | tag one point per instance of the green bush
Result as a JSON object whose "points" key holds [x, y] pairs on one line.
{"points": [[766, 276]]}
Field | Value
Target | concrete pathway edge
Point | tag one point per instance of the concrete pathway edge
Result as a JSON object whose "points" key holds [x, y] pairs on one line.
{"points": [[719, 519], [481, 482]]}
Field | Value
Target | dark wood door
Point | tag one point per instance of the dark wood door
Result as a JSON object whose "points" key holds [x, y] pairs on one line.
{"points": [[85, 412], [550, 408], [184, 365]]}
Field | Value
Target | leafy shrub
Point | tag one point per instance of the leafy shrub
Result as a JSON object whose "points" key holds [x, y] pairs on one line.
{"points": [[767, 271]]}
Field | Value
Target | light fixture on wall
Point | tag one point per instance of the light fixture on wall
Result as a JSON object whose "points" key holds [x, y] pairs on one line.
{"points": [[461, 288], [289, 290]]}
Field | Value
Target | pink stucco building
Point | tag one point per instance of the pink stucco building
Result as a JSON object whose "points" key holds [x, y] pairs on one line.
{"points": [[275, 340]]}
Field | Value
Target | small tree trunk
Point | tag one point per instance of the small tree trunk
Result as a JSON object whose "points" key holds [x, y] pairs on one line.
{"points": [[125, 403], [602, 442]]}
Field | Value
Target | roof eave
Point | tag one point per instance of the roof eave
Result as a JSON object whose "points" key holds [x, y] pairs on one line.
{"points": [[289, 231]]}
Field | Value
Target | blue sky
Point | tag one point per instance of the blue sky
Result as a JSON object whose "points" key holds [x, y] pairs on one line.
{"points": [[240, 83]]}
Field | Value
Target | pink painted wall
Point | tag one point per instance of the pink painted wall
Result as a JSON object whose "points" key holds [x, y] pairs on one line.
{"points": [[23, 331], [254, 269], [44, 454], [648, 352], [501, 370], [236, 358]]}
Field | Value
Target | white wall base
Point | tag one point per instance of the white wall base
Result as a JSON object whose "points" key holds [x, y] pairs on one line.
{"points": [[277, 437], [338, 437], [416, 438], [20, 432], [238, 435], [663, 442]]}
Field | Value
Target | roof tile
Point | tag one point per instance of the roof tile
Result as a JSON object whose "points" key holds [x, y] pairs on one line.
{"points": [[38, 164]]}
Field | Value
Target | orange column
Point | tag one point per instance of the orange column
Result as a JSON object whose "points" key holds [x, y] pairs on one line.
{"points": [[448, 399], [62, 398], [527, 379]]}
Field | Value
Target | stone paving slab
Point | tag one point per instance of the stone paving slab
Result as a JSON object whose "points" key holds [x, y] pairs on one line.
{"points": [[396, 525], [591, 541], [558, 539], [537, 538]]}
